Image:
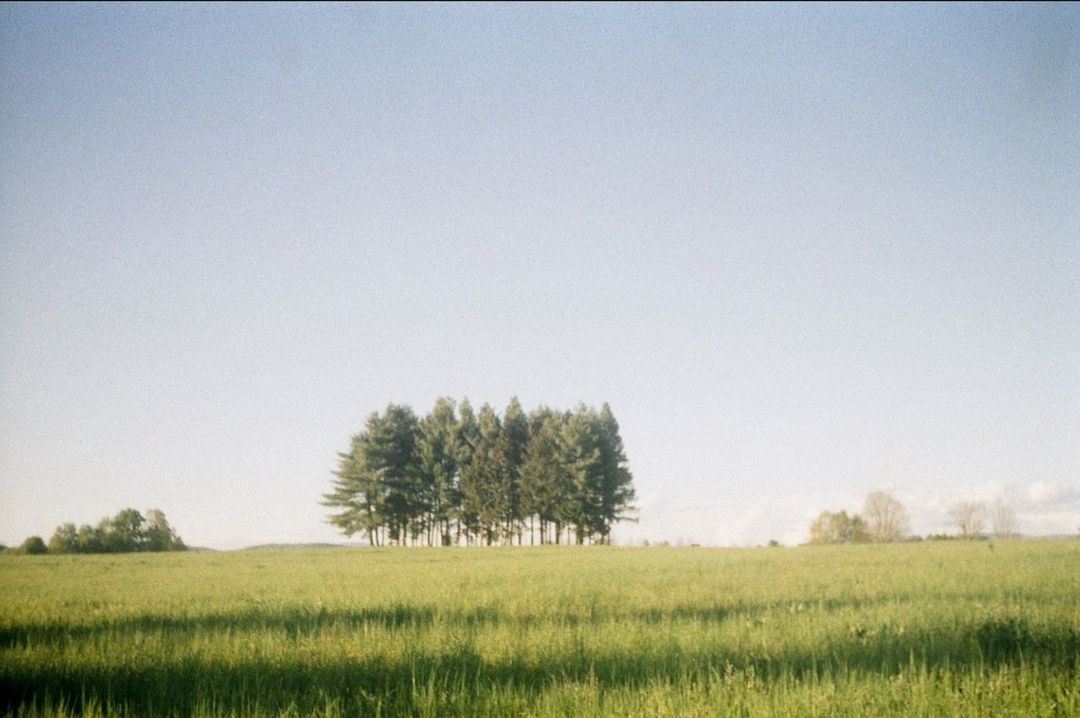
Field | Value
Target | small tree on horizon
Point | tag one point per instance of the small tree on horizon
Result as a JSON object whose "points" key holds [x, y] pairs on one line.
{"points": [[1003, 523], [886, 519], [967, 516], [838, 528], [33, 546]]}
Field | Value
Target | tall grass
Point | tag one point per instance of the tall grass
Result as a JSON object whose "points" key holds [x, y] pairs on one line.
{"points": [[917, 629]]}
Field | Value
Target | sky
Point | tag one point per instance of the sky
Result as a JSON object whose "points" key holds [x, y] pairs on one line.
{"points": [[804, 252]]}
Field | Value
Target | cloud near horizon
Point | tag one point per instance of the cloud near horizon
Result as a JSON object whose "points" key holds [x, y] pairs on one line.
{"points": [[1043, 508]]}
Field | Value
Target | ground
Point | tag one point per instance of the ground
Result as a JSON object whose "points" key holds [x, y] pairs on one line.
{"points": [[951, 628]]}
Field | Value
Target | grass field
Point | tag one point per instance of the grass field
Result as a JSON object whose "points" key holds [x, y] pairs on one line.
{"points": [[934, 629]]}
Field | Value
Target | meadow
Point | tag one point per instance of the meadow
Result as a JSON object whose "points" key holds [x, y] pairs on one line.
{"points": [[925, 629]]}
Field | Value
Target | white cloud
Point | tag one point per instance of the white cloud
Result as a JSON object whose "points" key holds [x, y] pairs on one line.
{"points": [[1044, 493], [1042, 507]]}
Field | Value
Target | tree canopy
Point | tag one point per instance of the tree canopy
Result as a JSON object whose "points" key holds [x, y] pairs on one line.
{"points": [[968, 517], [463, 476], [829, 528], [32, 545], [886, 519], [126, 532]]}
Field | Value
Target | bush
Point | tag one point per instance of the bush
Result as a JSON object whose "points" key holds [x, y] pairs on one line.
{"points": [[33, 546]]}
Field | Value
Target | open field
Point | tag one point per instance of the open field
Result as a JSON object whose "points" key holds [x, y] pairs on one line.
{"points": [[967, 629]]}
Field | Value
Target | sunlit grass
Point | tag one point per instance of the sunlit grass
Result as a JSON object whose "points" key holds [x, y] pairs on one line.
{"points": [[919, 629]]}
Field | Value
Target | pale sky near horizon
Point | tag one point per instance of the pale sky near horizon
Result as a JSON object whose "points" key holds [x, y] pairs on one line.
{"points": [[805, 252]]}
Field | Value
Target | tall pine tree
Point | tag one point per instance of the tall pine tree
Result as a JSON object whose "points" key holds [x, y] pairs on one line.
{"points": [[358, 491], [484, 479], [616, 487], [544, 477], [514, 438], [437, 447]]}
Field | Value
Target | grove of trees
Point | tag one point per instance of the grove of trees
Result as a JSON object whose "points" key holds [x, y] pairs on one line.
{"points": [[459, 476], [971, 517], [1003, 521], [885, 520], [126, 532], [838, 527], [968, 517]]}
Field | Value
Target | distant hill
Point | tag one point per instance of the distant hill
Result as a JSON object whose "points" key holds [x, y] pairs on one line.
{"points": [[291, 546]]}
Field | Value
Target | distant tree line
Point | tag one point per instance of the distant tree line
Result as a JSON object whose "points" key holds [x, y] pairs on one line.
{"points": [[838, 527], [127, 532], [459, 476], [884, 520], [971, 519]]}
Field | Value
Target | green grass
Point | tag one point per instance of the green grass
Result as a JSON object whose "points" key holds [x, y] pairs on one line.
{"points": [[942, 629]]}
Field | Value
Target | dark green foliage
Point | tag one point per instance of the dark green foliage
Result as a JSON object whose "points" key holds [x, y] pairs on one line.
{"points": [[123, 533], [513, 440], [32, 546], [581, 507], [481, 478], [157, 535], [485, 479], [393, 453], [380, 485], [127, 532], [544, 477], [437, 446], [616, 482], [65, 540], [357, 493], [89, 540]]}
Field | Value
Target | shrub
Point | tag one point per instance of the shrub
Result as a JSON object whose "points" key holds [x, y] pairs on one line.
{"points": [[33, 545]]}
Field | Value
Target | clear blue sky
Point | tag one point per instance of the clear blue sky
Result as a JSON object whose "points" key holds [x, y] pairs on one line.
{"points": [[804, 252]]}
